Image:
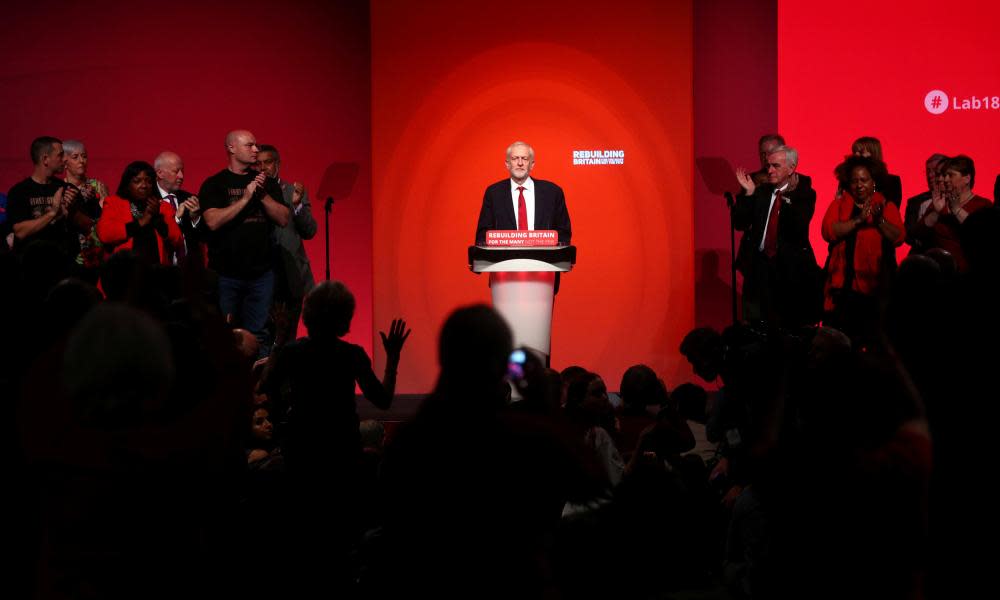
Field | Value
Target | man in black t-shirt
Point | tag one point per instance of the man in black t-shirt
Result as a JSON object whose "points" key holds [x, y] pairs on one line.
{"points": [[44, 208], [240, 209]]}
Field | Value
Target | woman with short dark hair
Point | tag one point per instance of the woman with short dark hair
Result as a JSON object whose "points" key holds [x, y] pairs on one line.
{"points": [[136, 219]]}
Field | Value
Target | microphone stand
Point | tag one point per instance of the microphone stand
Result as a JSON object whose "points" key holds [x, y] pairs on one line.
{"points": [[328, 210], [731, 203]]}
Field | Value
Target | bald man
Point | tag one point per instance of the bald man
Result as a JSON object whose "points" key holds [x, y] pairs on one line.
{"points": [[241, 208], [169, 169]]}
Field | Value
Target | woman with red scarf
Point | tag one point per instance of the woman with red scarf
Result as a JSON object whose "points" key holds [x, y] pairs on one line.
{"points": [[863, 229], [136, 219]]}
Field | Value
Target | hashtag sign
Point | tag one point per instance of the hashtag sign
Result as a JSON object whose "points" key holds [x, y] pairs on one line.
{"points": [[936, 102]]}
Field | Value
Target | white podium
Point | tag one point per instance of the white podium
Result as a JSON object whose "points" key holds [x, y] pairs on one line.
{"points": [[522, 281]]}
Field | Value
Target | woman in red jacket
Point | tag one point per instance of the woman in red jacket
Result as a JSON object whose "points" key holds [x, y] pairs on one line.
{"points": [[136, 219], [863, 230]]}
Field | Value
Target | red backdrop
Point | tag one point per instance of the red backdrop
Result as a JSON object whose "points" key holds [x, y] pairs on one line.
{"points": [[453, 83], [851, 68], [735, 87], [132, 79]]}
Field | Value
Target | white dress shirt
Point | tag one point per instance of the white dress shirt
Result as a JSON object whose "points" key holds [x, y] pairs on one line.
{"points": [[770, 207], [529, 199]]}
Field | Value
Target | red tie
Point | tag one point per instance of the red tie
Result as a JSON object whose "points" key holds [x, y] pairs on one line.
{"points": [[771, 235], [522, 210]]}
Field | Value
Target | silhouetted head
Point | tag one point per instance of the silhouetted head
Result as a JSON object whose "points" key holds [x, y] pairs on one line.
{"points": [[67, 303], [118, 367], [640, 387], [691, 400], [474, 347], [827, 345], [945, 261], [328, 310], [246, 343], [980, 237], [704, 349]]}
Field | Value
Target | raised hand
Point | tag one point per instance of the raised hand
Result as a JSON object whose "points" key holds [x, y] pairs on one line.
{"points": [[938, 200], [393, 343], [793, 182], [745, 181]]}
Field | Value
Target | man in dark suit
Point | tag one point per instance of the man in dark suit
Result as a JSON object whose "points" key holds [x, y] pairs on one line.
{"points": [[917, 205], [169, 169], [780, 275], [294, 277], [522, 202]]}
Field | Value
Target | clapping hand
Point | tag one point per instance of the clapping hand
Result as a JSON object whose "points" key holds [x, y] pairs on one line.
{"points": [[938, 201], [793, 182], [298, 190], [152, 209], [745, 181], [393, 343], [189, 206], [58, 206], [257, 182], [69, 197], [193, 207]]}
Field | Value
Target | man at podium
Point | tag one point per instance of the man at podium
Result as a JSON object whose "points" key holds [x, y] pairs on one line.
{"points": [[522, 202]]}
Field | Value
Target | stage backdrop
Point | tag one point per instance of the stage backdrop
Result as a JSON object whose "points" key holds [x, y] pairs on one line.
{"points": [[131, 79], [919, 76], [453, 83]]}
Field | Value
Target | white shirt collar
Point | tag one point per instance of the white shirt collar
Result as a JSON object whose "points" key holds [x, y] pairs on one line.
{"points": [[528, 184], [164, 193]]}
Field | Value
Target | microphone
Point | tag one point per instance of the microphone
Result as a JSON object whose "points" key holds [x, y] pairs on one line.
{"points": [[329, 203]]}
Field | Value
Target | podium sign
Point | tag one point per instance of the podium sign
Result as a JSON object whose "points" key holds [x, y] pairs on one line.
{"points": [[520, 238]]}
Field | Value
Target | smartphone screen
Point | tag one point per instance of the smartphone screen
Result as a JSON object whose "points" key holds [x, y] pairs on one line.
{"points": [[515, 365]]}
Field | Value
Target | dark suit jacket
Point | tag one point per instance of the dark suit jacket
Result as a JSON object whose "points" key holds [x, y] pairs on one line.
{"points": [[750, 215], [891, 187], [910, 221], [293, 262], [497, 211], [192, 240]]}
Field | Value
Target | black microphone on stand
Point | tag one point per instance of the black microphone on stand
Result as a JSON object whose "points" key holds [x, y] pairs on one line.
{"points": [[328, 210], [731, 203]]}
